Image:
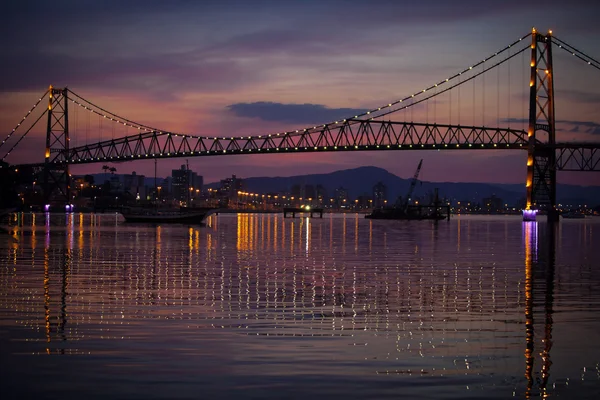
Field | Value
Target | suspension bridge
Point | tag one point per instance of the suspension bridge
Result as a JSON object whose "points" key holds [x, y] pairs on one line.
{"points": [[371, 130]]}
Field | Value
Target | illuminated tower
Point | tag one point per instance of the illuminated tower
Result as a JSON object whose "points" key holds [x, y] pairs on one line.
{"points": [[57, 185], [541, 156]]}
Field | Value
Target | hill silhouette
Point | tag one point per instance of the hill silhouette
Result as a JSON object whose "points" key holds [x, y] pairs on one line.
{"points": [[359, 181]]}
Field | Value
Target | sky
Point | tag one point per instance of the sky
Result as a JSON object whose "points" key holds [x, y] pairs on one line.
{"points": [[233, 68]]}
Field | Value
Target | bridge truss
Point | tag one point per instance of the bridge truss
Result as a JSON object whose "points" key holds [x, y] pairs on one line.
{"points": [[351, 135]]}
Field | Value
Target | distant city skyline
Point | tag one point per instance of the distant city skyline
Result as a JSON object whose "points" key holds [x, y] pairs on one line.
{"points": [[233, 68]]}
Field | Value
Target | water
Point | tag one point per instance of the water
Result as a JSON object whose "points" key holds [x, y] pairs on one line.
{"points": [[258, 306]]}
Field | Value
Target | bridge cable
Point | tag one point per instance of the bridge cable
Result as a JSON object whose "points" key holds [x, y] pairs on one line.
{"points": [[508, 97], [117, 119], [582, 56], [435, 85], [483, 99], [76, 126], [24, 134], [523, 81], [498, 98], [450, 108], [473, 100], [351, 120], [458, 100], [23, 119], [313, 129], [453, 86]]}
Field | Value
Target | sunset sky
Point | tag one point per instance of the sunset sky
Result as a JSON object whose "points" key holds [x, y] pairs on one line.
{"points": [[256, 67]]}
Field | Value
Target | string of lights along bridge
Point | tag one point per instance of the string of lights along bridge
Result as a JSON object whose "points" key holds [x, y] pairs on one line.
{"points": [[472, 109]]}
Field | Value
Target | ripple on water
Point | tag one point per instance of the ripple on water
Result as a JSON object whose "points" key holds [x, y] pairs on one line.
{"points": [[255, 305]]}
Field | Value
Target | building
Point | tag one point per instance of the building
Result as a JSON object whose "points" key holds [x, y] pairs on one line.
{"points": [[321, 194], [379, 195], [341, 197], [228, 190], [184, 185], [492, 205], [134, 184]]}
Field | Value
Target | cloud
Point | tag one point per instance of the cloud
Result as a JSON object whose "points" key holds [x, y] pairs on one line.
{"points": [[292, 113], [583, 126]]}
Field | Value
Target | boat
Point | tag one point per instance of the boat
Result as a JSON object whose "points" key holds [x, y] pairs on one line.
{"points": [[412, 213], [405, 211], [573, 215], [181, 216]]}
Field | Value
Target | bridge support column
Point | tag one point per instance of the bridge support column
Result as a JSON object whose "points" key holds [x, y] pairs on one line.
{"points": [[57, 180], [541, 155]]}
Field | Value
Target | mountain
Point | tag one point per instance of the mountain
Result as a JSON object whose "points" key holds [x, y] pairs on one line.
{"points": [[359, 181]]}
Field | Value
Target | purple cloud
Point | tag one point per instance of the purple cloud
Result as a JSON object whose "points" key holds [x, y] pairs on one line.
{"points": [[292, 113]]}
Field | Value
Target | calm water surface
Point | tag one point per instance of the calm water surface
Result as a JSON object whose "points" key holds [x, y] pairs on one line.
{"points": [[258, 306]]}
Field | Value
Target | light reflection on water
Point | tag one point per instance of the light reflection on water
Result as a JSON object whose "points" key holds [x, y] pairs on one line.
{"points": [[255, 305]]}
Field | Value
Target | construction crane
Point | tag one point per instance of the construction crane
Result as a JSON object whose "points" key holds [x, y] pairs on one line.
{"points": [[413, 183]]}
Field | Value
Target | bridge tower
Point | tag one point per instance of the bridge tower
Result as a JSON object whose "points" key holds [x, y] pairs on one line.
{"points": [[541, 156], [57, 181]]}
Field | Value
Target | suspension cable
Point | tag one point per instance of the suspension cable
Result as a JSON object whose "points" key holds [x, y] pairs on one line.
{"points": [[23, 119], [456, 84], [115, 117], [24, 134], [377, 110], [577, 53]]}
